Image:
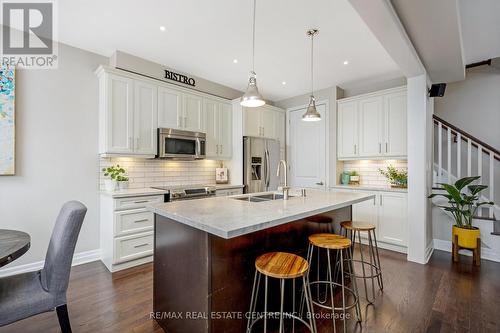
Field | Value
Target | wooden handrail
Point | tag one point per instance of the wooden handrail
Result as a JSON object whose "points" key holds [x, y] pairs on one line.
{"points": [[465, 136]]}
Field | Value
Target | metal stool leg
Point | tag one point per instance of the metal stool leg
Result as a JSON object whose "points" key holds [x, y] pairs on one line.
{"points": [[343, 288], [265, 304], [380, 280], [253, 300], [282, 301], [330, 278], [350, 267], [308, 300], [371, 255]]}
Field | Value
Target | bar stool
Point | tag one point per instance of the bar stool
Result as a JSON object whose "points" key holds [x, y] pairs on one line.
{"points": [[342, 245], [355, 228], [282, 266]]}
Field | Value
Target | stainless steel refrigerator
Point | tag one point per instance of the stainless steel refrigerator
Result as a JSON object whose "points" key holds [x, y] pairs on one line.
{"points": [[260, 162]]}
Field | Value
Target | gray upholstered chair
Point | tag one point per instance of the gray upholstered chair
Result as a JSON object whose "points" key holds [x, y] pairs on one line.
{"points": [[25, 295]]}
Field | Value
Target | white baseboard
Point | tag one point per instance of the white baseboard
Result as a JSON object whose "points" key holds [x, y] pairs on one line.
{"points": [[486, 253], [78, 259]]}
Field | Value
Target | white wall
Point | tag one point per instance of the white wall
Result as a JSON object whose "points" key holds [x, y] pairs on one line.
{"points": [[474, 104], [56, 151]]}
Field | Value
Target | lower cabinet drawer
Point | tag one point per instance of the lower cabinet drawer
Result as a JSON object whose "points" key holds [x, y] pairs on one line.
{"points": [[133, 247], [133, 221], [136, 202]]}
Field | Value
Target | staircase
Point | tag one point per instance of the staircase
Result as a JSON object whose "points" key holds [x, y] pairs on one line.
{"points": [[458, 154]]}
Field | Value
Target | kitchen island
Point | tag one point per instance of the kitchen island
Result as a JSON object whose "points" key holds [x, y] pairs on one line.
{"points": [[205, 251]]}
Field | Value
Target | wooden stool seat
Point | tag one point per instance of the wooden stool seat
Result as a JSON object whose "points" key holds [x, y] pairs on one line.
{"points": [[361, 226], [281, 265], [330, 241]]}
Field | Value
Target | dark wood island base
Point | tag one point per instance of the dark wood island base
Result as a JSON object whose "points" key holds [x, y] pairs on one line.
{"points": [[203, 283]]}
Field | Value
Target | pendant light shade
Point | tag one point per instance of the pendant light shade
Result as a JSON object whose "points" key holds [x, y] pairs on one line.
{"points": [[252, 98], [311, 113]]}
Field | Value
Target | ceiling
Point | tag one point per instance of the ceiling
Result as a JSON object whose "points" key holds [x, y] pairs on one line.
{"points": [[434, 30], [203, 37], [480, 29]]}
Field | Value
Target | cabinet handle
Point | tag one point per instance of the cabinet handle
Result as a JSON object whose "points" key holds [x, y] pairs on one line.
{"points": [[130, 142], [221, 149], [386, 149], [139, 221], [380, 200], [354, 149], [180, 121], [217, 149], [141, 245], [136, 143], [143, 201], [263, 131], [185, 121], [379, 148]]}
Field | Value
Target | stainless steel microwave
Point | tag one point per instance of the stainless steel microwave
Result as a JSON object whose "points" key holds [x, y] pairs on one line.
{"points": [[182, 145]]}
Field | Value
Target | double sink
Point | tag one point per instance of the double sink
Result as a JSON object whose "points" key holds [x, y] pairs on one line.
{"points": [[261, 197]]}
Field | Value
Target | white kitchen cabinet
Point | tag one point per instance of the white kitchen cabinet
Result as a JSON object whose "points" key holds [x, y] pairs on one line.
{"points": [[348, 130], [370, 126], [393, 219], [265, 121], [373, 126], [169, 108], [192, 119], [388, 212], [128, 116], [126, 230], [395, 124], [218, 127], [145, 118]]}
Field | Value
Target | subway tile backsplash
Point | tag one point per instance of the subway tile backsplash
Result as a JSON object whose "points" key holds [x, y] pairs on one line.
{"points": [[147, 173], [369, 170]]}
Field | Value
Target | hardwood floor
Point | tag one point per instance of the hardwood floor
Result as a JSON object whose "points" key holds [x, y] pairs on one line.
{"points": [[438, 297]]}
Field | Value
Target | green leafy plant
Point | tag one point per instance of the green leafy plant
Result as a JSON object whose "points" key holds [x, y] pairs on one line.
{"points": [[463, 200], [115, 173], [354, 173], [395, 176]]}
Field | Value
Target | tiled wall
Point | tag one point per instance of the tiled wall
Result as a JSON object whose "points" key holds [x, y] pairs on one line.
{"points": [[369, 170], [147, 173]]}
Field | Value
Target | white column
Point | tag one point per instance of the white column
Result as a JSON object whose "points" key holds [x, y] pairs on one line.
{"points": [[420, 161]]}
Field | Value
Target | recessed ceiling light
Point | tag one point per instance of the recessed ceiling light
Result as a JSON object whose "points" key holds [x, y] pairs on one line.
{"points": [[235, 61], [283, 82], [162, 28], [346, 62]]}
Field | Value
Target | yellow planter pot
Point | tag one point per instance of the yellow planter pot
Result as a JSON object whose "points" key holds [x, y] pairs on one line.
{"points": [[467, 238]]}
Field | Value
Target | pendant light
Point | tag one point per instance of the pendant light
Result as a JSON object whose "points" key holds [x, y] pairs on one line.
{"points": [[312, 114], [252, 98]]}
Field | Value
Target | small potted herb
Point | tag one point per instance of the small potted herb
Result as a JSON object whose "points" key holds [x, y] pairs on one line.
{"points": [[354, 178], [397, 178], [116, 179]]}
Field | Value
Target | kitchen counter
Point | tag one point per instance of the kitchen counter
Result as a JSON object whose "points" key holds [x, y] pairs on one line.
{"points": [[205, 251], [370, 188], [133, 192], [227, 217]]}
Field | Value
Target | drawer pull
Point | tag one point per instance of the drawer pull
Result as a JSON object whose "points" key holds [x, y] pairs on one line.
{"points": [[143, 220], [141, 245], [143, 201]]}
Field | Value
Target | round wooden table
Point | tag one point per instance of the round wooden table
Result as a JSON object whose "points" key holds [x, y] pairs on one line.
{"points": [[13, 244]]}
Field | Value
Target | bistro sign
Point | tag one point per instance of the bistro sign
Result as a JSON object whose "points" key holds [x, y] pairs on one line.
{"points": [[169, 75]]}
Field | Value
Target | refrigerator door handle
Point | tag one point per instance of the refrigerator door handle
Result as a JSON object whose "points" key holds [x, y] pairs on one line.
{"points": [[268, 168]]}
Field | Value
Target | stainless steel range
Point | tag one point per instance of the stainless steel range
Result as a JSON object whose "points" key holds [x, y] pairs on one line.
{"points": [[187, 192]]}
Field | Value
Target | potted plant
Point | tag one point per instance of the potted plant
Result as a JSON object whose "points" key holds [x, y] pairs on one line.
{"points": [[116, 178], [354, 178], [397, 178], [463, 203]]}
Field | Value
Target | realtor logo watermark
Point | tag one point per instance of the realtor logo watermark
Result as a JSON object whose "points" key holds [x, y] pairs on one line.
{"points": [[29, 34]]}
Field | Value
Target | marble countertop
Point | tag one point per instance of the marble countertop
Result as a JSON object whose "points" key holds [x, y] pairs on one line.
{"points": [[227, 217], [370, 188], [133, 192]]}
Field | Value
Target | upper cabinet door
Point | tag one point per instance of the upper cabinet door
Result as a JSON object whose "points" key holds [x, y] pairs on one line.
{"points": [[169, 108], [280, 128], [348, 129], [211, 110], [119, 115], [268, 123], [370, 127], [193, 116], [252, 126], [225, 131], [395, 124], [145, 118]]}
